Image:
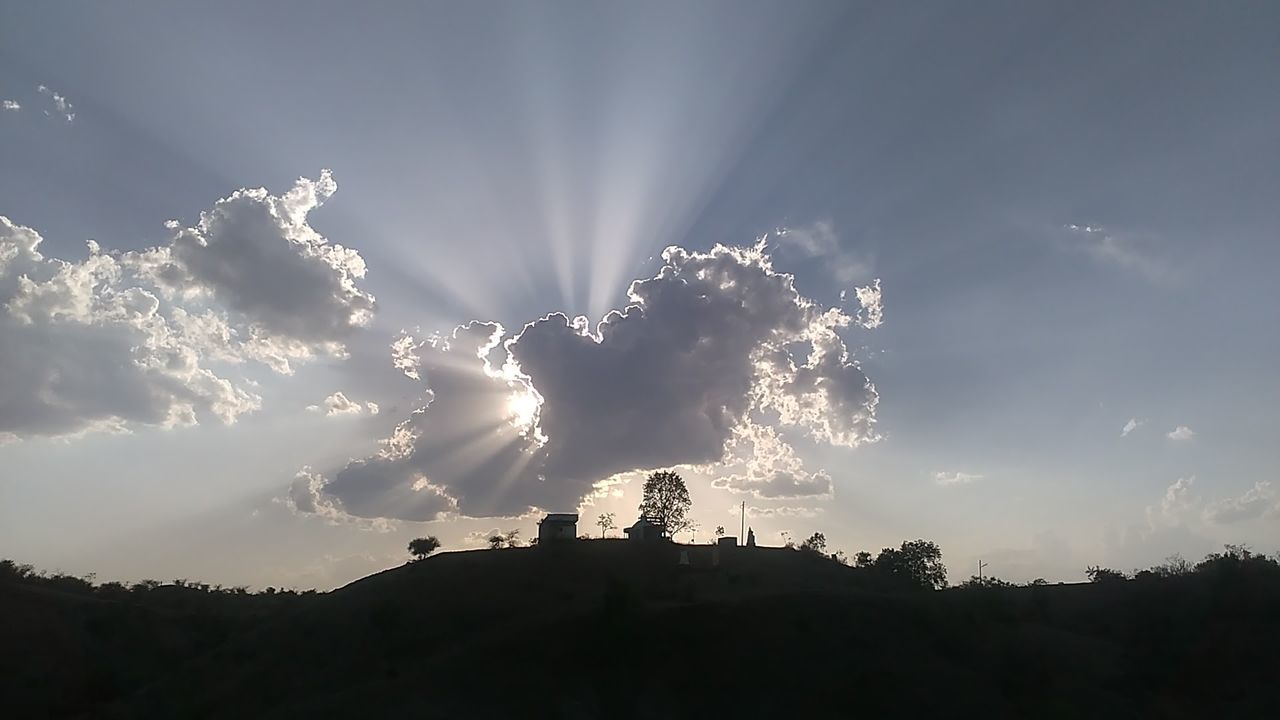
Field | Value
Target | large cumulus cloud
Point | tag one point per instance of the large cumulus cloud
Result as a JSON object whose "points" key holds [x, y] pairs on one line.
{"points": [[713, 345], [256, 254], [144, 338]]}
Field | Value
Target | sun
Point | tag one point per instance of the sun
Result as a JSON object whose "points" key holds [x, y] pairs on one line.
{"points": [[522, 408]]}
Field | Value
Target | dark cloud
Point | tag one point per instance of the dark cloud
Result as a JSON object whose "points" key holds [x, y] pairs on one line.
{"points": [[536, 419]]}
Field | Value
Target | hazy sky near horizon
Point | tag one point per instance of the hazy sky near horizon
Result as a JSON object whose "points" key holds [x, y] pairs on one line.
{"points": [[1016, 292]]}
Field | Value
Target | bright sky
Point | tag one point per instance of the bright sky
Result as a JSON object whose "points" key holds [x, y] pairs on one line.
{"points": [[1016, 292]]}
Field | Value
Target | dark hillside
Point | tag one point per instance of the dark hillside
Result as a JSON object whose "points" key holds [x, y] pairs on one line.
{"points": [[612, 629]]}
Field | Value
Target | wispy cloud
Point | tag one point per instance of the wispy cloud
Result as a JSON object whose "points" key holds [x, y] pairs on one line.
{"points": [[955, 478], [11, 105], [819, 239], [765, 512], [1133, 424], [61, 106], [339, 404], [1123, 250], [1257, 501], [1182, 432]]}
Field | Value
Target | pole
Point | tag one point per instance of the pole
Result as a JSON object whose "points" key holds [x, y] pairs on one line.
{"points": [[742, 529], [980, 566]]}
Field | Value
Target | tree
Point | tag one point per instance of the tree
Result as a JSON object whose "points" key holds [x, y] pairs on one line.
{"points": [[986, 581], [719, 531], [1173, 566], [817, 543], [511, 538], [916, 562], [421, 547], [1104, 575], [666, 500], [863, 559], [606, 523]]}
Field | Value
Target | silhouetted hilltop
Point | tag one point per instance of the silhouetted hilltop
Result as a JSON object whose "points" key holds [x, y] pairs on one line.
{"points": [[618, 629]]}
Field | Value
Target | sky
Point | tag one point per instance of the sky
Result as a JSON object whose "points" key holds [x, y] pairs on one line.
{"points": [[284, 286]]}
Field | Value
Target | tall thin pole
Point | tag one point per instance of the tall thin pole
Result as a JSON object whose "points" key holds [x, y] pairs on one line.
{"points": [[980, 566], [742, 528]]}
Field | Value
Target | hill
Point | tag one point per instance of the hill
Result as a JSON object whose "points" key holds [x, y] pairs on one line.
{"points": [[614, 629]]}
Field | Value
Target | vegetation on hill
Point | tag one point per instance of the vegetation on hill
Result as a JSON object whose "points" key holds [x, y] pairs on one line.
{"points": [[610, 627]]}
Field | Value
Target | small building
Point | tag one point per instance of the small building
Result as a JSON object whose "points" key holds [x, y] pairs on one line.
{"points": [[727, 541], [557, 526], [646, 529]]}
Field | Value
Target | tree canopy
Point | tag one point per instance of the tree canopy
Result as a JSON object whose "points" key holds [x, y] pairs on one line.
{"points": [[666, 500], [916, 562], [421, 547]]}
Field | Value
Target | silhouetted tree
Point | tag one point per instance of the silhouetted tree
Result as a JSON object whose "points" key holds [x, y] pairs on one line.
{"points": [[1173, 566], [816, 543], [511, 538], [666, 500], [719, 531], [1104, 575], [986, 581], [606, 523], [916, 562], [421, 547], [863, 559], [1235, 560], [840, 557]]}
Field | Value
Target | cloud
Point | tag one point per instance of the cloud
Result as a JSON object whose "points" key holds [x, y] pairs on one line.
{"points": [[115, 340], [819, 240], [1125, 251], [712, 344], [13, 105], [954, 478], [1133, 424], [481, 537], [256, 254], [783, 511], [83, 349], [1175, 505], [871, 315], [61, 106], [306, 496], [1259, 500], [1182, 432], [761, 463], [339, 404]]}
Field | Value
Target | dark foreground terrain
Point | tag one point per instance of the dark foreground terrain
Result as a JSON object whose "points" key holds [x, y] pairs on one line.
{"points": [[609, 629]]}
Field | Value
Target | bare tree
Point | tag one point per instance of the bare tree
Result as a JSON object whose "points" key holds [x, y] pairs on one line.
{"points": [[606, 523]]}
